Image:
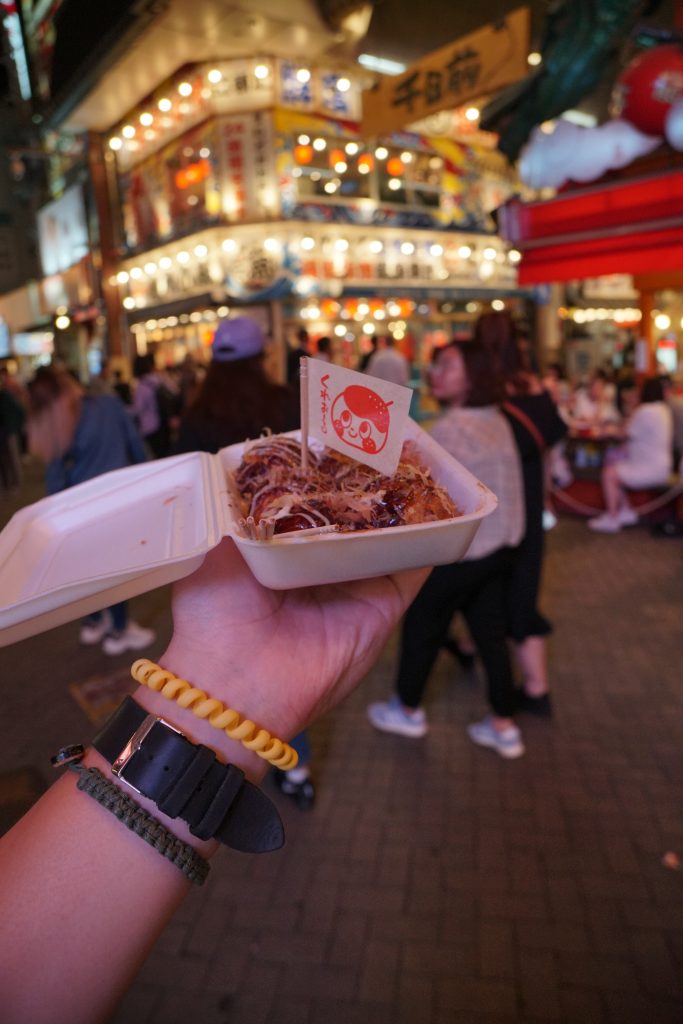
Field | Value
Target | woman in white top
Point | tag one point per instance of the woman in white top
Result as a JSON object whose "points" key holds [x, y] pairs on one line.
{"points": [[646, 461], [475, 432]]}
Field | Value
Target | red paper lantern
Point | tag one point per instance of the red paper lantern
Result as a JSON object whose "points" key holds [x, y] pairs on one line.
{"points": [[645, 92], [395, 167], [365, 163]]}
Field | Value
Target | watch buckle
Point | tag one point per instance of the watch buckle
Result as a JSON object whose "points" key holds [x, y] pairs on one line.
{"points": [[135, 743]]}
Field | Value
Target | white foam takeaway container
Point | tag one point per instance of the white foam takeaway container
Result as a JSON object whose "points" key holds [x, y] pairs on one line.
{"points": [[129, 531]]}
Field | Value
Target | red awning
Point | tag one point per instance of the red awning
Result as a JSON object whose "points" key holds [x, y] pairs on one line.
{"points": [[630, 227]]}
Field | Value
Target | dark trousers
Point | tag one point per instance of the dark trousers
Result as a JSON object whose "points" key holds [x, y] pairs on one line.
{"points": [[476, 589]]}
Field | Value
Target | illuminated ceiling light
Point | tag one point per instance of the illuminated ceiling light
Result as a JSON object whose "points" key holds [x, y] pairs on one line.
{"points": [[308, 243], [394, 184], [183, 257], [436, 249], [363, 308], [379, 314], [172, 321], [376, 246], [146, 119], [662, 322], [122, 277], [185, 89], [165, 105], [136, 273], [472, 114], [341, 245], [296, 172], [498, 305], [464, 252], [271, 245], [315, 175], [343, 84], [129, 302], [150, 269], [486, 269], [364, 167], [261, 71], [351, 148], [534, 59], [514, 255], [407, 157], [215, 76], [304, 140], [381, 64], [62, 322], [303, 75], [205, 152], [128, 131], [223, 310], [341, 166], [407, 248], [381, 152], [330, 187], [195, 317], [165, 263], [115, 143], [489, 253], [229, 245], [319, 145], [340, 330], [201, 251], [368, 328]]}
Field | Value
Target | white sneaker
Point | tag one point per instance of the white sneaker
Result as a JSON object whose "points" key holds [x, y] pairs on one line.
{"points": [[549, 519], [508, 742], [392, 716], [627, 516], [605, 523], [133, 638], [93, 632]]}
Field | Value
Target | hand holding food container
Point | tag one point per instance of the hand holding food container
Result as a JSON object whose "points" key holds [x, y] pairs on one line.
{"points": [[405, 503]]}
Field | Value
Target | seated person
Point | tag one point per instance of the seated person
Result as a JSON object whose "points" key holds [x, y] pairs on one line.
{"points": [[594, 406], [644, 461]]}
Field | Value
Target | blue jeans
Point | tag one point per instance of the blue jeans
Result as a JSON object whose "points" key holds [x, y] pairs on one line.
{"points": [[119, 616], [302, 747]]}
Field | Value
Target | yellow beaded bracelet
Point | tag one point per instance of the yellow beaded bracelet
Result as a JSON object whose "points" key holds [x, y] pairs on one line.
{"points": [[260, 741]]}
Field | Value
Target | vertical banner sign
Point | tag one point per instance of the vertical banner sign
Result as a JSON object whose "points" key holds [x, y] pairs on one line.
{"points": [[357, 415], [467, 69]]}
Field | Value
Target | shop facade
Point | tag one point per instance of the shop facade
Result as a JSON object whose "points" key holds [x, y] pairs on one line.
{"points": [[246, 185]]}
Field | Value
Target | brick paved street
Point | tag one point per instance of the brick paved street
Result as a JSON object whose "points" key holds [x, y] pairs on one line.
{"points": [[434, 883]]}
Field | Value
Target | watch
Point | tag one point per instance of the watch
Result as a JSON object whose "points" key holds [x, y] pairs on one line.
{"points": [[186, 780]]}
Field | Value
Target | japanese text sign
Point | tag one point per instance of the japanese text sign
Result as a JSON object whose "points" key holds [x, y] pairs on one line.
{"points": [[358, 415], [471, 67]]}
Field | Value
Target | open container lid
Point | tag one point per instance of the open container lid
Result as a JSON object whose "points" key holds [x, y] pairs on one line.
{"points": [[127, 532]]}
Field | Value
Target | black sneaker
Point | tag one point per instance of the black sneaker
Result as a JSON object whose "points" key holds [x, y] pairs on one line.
{"points": [[541, 706], [302, 793]]}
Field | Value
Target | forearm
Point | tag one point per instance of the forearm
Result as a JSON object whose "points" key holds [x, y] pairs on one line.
{"points": [[83, 897]]}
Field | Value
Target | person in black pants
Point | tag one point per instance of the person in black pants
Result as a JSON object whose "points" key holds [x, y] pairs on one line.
{"points": [[474, 431], [537, 426]]}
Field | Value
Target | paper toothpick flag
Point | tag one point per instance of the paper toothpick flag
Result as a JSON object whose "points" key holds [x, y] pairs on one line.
{"points": [[361, 416]]}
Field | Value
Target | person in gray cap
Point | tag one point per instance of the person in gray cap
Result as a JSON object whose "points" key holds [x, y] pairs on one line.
{"points": [[237, 399]]}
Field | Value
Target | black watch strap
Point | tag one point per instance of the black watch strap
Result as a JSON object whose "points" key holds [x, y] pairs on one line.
{"points": [[186, 780]]}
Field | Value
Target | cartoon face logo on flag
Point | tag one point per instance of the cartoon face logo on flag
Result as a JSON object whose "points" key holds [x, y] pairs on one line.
{"points": [[355, 414]]}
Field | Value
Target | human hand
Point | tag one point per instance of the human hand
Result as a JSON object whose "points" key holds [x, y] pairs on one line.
{"points": [[281, 658]]}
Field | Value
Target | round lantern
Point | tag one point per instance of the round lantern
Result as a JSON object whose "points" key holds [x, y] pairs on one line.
{"points": [[395, 167], [645, 92], [303, 154]]}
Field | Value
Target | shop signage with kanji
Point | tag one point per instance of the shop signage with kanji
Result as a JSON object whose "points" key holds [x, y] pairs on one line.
{"points": [[468, 68]]}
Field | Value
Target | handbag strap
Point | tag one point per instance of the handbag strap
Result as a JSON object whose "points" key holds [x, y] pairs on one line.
{"points": [[526, 422]]}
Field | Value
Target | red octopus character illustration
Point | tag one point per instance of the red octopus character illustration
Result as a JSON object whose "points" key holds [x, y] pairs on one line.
{"points": [[361, 418]]}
